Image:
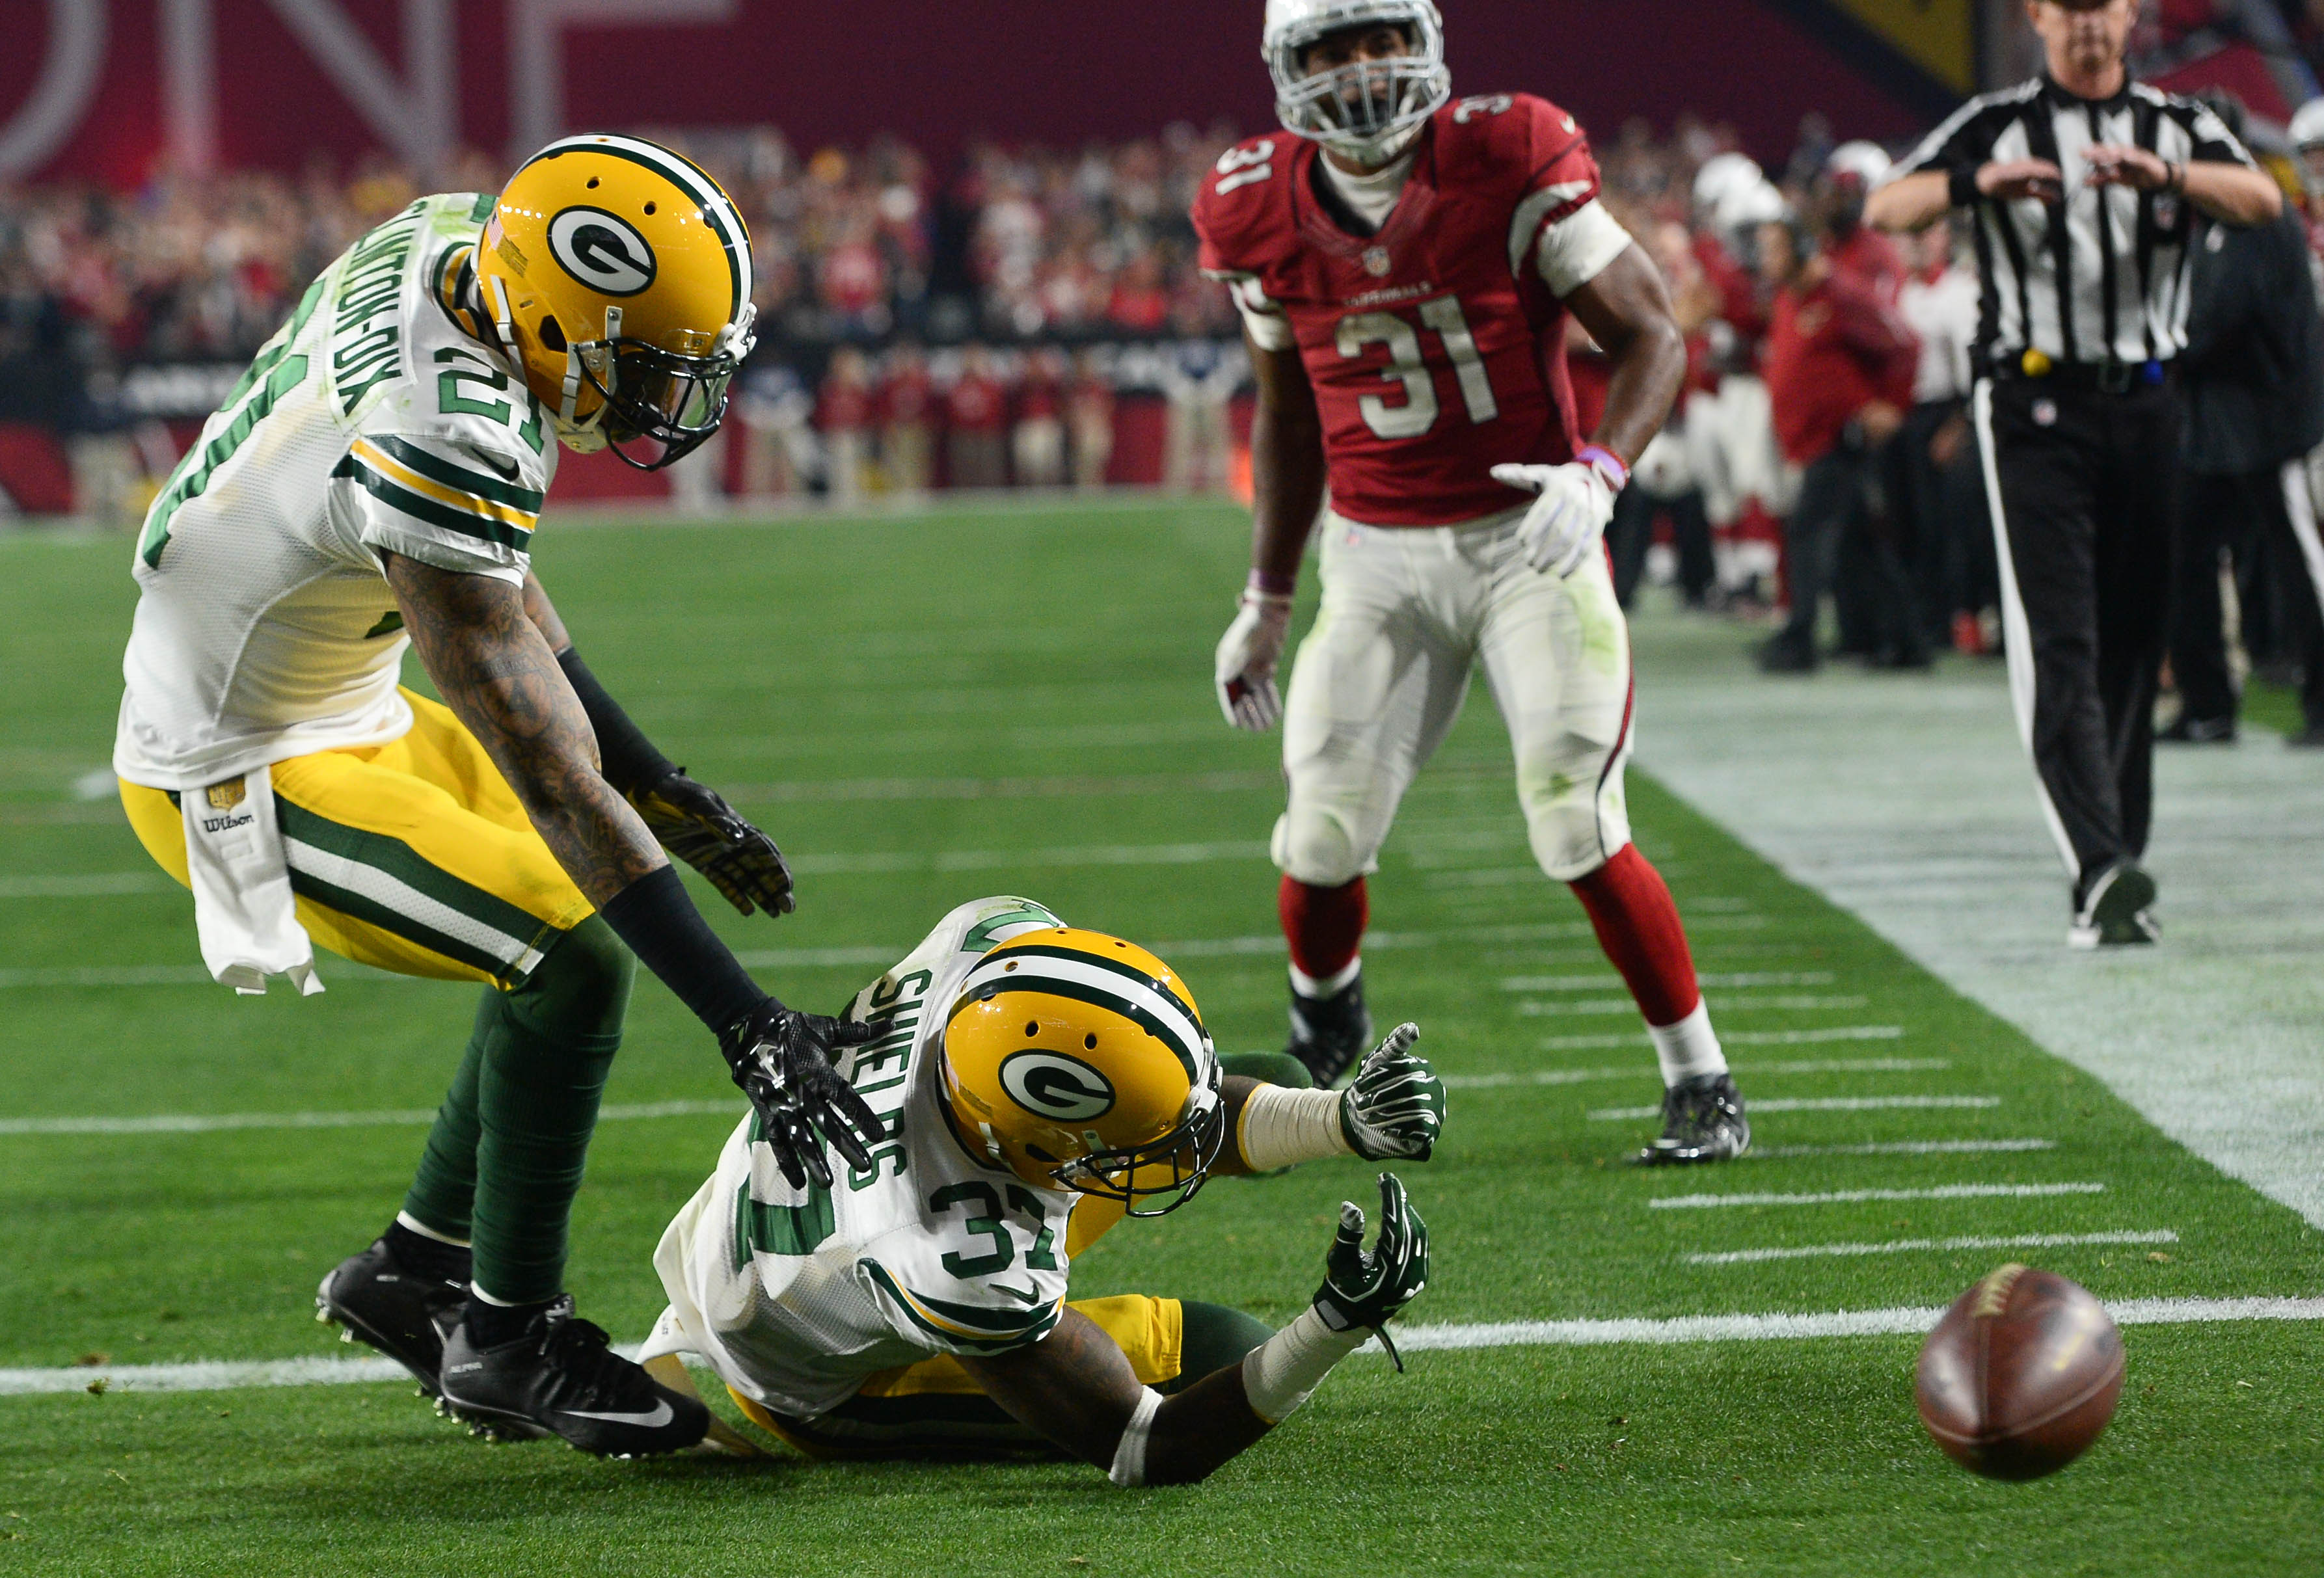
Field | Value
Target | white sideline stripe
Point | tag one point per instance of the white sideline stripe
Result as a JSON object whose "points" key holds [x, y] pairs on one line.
{"points": [[1813, 1103], [1857, 1196], [1862, 1322], [1588, 1007], [1737, 1257], [225, 1375], [404, 899], [1638, 1071], [1904, 1148], [1737, 1038], [92, 885], [215, 1123], [1601, 982]]}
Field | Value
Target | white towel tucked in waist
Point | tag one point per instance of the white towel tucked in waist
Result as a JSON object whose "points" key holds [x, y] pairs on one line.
{"points": [[243, 910]]}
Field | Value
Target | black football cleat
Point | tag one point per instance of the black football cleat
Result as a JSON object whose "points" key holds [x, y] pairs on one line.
{"points": [[1329, 1034], [1702, 1120], [376, 1298], [2115, 912], [561, 1378]]}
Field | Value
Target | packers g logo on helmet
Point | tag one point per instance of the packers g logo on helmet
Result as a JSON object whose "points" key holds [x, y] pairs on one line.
{"points": [[1078, 1061], [617, 275], [602, 251], [1048, 1085]]}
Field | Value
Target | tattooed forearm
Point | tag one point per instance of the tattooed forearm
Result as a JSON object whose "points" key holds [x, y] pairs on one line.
{"points": [[543, 614], [490, 655]]}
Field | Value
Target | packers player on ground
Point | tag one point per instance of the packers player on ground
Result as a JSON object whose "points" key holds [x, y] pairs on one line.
{"points": [[1035, 1083], [372, 485]]}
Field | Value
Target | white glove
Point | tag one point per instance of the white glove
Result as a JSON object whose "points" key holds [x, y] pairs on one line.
{"points": [[1247, 654], [1566, 521]]}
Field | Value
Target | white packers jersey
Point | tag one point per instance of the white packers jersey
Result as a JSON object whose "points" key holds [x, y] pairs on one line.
{"points": [[795, 1296], [370, 422]]}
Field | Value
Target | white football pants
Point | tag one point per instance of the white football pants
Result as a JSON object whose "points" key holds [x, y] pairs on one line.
{"points": [[1407, 613]]}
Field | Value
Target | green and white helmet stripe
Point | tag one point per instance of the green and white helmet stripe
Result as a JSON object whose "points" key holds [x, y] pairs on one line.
{"points": [[1122, 988], [717, 211]]}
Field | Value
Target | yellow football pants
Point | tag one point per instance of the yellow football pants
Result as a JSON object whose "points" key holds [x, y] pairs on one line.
{"points": [[414, 856], [933, 1409]]}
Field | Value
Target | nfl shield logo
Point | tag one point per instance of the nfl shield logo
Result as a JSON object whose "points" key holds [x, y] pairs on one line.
{"points": [[1377, 261], [226, 796]]}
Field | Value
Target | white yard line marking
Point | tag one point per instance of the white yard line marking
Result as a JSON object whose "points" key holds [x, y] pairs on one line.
{"points": [[1863, 1323], [1737, 1038], [1858, 1196], [1904, 1148], [222, 1375], [1738, 1257], [1821, 1104], [999, 859], [335, 970], [1598, 1006], [1064, 787], [217, 1122], [1602, 982], [89, 885], [1641, 1071]]}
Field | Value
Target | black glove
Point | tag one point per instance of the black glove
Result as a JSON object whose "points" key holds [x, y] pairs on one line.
{"points": [[1362, 1289], [781, 1059], [698, 827]]}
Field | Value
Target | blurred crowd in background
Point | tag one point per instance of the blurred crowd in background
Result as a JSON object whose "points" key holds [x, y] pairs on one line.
{"points": [[1035, 318]]}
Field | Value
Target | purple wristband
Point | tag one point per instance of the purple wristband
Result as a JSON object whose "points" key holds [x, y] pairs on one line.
{"points": [[1609, 464], [1269, 584]]}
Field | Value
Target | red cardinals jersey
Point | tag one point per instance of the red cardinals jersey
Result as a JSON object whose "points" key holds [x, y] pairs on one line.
{"points": [[1436, 347]]}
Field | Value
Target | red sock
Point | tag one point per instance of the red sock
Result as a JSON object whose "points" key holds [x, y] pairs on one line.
{"points": [[1325, 925], [1639, 927]]}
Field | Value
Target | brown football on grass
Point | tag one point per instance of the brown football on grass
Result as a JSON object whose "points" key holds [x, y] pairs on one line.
{"points": [[2020, 1376]]}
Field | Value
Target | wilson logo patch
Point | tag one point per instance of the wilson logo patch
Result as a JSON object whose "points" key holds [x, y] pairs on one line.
{"points": [[602, 252], [1053, 1086]]}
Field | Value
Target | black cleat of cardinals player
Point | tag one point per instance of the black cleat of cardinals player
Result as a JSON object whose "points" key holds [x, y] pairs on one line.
{"points": [[1328, 1034], [376, 1297], [1702, 1120]]}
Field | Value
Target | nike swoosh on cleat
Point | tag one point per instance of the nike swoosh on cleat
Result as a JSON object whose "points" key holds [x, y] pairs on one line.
{"points": [[662, 1415]]}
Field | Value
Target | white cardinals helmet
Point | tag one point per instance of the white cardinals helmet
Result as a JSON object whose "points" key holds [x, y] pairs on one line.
{"points": [[1867, 162], [1369, 110]]}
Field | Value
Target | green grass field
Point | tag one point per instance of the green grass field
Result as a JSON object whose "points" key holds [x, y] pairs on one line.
{"points": [[923, 710]]}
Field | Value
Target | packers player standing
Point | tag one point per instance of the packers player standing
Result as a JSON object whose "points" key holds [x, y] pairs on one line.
{"points": [[370, 486], [1037, 1083], [1407, 268]]}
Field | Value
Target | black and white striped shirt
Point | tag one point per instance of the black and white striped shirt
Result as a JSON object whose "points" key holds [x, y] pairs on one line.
{"points": [[2103, 276]]}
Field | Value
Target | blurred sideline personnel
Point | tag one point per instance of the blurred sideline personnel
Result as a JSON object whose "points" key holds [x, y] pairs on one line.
{"points": [[1934, 486], [2085, 186], [1405, 266], [373, 485], [2304, 492], [1037, 1083], [1839, 365], [2254, 384]]}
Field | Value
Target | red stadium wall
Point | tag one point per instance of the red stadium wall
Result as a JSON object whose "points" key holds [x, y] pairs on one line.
{"points": [[938, 73]]}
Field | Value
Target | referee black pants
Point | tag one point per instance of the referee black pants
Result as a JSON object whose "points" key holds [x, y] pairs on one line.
{"points": [[2084, 488]]}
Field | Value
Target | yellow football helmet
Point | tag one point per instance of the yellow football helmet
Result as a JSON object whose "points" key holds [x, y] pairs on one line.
{"points": [[1078, 1061], [617, 276]]}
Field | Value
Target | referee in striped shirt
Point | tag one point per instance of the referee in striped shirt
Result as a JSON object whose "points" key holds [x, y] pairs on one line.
{"points": [[2085, 186]]}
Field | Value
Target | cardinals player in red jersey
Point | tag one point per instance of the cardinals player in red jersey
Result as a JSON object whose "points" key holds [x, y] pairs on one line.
{"points": [[1404, 265]]}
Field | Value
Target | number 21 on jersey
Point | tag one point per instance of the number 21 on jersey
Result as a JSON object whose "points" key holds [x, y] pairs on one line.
{"points": [[1408, 365]]}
